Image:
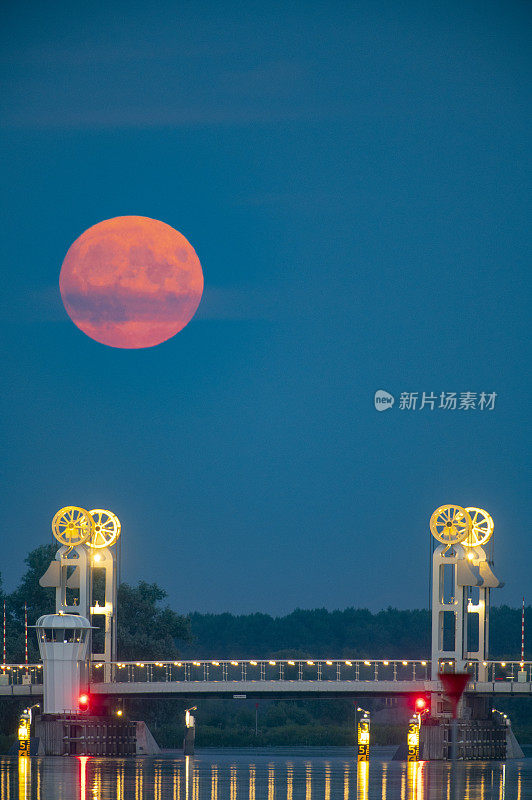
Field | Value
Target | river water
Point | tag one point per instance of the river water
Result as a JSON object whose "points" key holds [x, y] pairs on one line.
{"points": [[268, 774]]}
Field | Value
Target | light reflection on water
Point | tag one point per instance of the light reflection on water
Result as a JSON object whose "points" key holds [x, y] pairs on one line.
{"points": [[276, 774]]}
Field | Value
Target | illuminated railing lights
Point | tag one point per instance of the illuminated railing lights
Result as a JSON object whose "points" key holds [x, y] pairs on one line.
{"points": [[509, 670]]}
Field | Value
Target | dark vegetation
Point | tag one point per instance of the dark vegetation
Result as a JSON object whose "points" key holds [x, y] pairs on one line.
{"points": [[354, 632], [149, 629]]}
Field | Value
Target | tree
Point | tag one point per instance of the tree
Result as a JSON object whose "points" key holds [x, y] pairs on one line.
{"points": [[145, 630], [39, 600]]}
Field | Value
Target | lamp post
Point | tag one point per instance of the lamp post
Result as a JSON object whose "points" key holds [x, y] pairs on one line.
{"points": [[190, 732]]}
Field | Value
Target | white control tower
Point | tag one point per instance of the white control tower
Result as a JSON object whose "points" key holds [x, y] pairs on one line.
{"points": [[63, 643]]}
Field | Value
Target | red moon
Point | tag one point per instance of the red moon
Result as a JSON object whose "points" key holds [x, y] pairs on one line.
{"points": [[131, 282]]}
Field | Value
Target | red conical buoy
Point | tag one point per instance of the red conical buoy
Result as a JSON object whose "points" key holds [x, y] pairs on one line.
{"points": [[454, 684]]}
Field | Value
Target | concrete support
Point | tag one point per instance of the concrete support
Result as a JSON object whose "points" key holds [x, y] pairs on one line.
{"points": [[77, 735], [72, 589], [105, 560], [461, 584]]}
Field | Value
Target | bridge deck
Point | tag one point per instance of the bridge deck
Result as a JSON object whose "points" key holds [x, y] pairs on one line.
{"points": [[258, 689], [294, 689]]}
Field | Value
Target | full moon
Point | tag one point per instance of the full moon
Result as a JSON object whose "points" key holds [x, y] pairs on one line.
{"points": [[131, 282]]}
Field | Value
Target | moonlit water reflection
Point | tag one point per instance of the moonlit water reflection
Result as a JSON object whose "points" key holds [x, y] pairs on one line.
{"points": [[272, 774]]}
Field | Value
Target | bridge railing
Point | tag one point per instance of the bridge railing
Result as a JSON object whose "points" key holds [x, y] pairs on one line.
{"points": [[496, 671], [21, 674], [257, 670], [212, 670]]}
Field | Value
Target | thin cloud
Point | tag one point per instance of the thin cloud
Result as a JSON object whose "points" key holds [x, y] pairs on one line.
{"points": [[145, 118], [173, 91], [217, 303], [238, 303], [122, 305]]}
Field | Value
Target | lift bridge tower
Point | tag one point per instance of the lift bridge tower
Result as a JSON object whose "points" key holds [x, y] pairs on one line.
{"points": [[84, 575], [462, 579]]}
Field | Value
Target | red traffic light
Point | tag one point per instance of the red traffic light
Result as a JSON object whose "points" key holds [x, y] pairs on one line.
{"points": [[83, 702], [420, 704]]}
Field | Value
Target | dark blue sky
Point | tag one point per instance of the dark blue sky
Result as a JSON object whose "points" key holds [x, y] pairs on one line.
{"points": [[355, 180]]}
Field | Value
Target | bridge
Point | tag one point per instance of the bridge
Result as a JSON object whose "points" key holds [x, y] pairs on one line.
{"points": [[265, 678], [462, 580]]}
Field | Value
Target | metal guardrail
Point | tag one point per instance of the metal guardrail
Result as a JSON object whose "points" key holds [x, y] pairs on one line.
{"points": [[212, 670], [21, 674], [497, 671]]}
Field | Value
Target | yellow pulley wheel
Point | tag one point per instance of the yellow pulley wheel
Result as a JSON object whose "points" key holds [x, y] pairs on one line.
{"points": [[450, 524], [106, 528], [482, 529], [72, 525]]}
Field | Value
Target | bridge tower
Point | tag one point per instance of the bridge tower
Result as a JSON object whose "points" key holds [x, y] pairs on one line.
{"points": [[84, 574], [461, 582]]}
